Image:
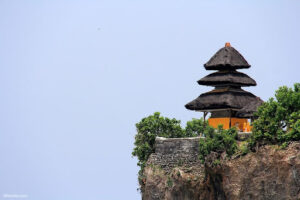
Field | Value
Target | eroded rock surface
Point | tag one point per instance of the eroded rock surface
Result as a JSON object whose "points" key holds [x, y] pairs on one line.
{"points": [[269, 173]]}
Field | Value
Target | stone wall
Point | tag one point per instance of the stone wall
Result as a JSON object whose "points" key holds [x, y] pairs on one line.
{"points": [[171, 152]]}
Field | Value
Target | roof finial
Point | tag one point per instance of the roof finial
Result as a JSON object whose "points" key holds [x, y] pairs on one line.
{"points": [[227, 44]]}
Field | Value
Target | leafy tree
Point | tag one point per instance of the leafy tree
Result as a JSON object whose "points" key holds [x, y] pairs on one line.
{"points": [[194, 128], [278, 119], [149, 128], [218, 141]]}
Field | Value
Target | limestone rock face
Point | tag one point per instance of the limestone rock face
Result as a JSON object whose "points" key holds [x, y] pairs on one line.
{"points": [[269, 173], [180, 184]]}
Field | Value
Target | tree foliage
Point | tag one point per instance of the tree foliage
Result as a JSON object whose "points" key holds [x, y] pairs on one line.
{"points": [[155, 125], [194, 128], [278, 119], [218, 141], [149, 128]]}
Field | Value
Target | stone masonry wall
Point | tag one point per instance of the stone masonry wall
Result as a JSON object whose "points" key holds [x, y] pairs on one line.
{"points": [[171, 152]]}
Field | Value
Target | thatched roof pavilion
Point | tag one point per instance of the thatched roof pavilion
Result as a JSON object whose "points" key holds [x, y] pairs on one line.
{"points": [[227, 100]]}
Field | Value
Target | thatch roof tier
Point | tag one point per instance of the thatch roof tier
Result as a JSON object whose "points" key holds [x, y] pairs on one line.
{"points": [[227, 58], [248, 110], [226, 98], [226, 77]]}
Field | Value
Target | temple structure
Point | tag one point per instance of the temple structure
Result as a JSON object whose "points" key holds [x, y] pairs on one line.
{"points": [[227, 102]]}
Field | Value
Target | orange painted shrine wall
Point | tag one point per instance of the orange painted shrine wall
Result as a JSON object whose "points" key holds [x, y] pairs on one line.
{"points": [[241, 123]]}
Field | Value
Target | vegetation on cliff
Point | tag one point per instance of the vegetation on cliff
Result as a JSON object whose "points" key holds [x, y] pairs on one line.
{"points": [[277, 122], [149, 128], [219, 141], [156, 125]]}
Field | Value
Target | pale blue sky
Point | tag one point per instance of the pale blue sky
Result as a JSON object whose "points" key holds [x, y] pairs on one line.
{"points": [[75, 77]]}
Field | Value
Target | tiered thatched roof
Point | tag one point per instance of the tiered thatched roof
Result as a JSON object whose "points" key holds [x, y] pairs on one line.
{"points": [[227, 98], [248, 110], [227, 94], [227, 58], [227, 77]]}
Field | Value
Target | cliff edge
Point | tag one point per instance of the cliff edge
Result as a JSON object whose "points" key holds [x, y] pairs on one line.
{"points": [[174, 172]]}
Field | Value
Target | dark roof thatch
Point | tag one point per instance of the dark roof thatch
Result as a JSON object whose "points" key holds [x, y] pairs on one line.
{"points": [[226, 58], [227, 98], [227, 78], [248, 110]]}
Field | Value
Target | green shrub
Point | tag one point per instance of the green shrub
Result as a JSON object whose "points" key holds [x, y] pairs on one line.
{"points": [[283, 145], [194, 128], [219, 141], [278, 119], [149, 128], [169, 182], [243, 148], [216, 162]]}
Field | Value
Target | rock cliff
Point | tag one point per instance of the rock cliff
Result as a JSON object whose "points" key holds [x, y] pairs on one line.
{"points": [[173, 172]]}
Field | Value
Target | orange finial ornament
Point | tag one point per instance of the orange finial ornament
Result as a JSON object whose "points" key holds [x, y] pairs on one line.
{"points": [[227, 44]]}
